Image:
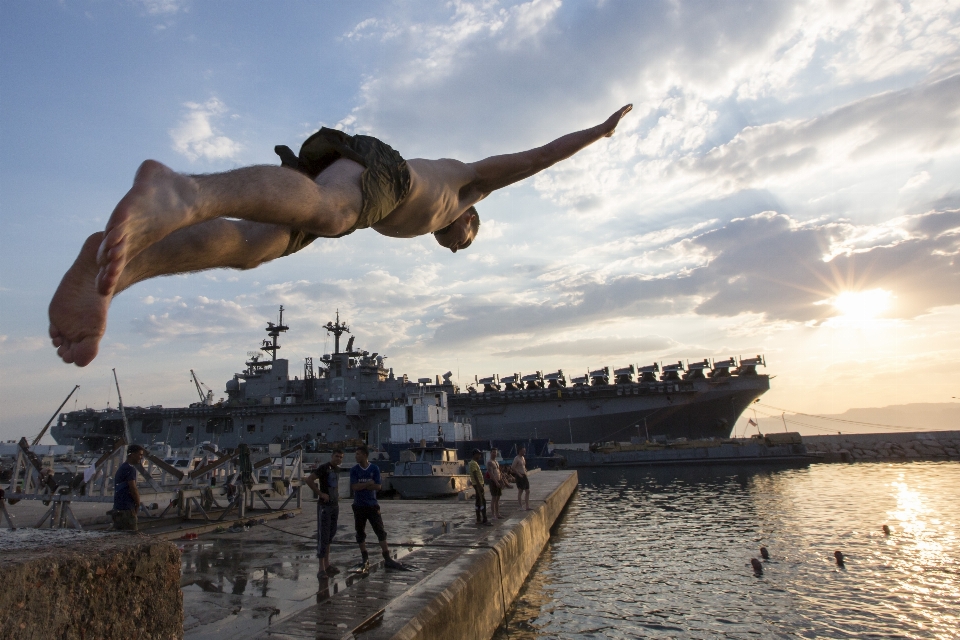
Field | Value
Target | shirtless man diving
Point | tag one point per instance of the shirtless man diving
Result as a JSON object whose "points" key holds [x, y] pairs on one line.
{"points": [[175, 223]]}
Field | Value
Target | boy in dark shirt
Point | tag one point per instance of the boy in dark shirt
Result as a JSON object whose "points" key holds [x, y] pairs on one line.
{"points": [[365, 482], [324, 481], [126, 497]]}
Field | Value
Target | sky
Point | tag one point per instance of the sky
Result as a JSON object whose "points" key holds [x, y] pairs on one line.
{"points": [[782, 187]]}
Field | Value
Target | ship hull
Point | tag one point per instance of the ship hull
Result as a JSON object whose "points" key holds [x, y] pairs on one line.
{"points": [[692, 410], [351, 397], [688, 409]]}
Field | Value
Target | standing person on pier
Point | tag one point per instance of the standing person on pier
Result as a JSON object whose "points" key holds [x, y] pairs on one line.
{"points": [[476, 479], [496, 484], [365, 482], [325, 483], [126, 496], [519, 468]]}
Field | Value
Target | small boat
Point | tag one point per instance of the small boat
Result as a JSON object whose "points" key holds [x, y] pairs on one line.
{"points": [[429, 472]]}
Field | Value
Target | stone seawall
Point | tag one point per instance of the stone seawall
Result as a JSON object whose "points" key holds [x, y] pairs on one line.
{"points": [[70, 584], [470, 597], [928, 445]]}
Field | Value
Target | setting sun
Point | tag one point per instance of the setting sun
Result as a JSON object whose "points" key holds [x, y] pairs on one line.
{"points": [[859, 306]]}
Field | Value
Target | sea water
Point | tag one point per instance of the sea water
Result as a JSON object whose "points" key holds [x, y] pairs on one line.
{"points": [[665, 553]]}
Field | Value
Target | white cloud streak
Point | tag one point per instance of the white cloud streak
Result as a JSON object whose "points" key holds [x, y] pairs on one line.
{"points": [[196, 136]]}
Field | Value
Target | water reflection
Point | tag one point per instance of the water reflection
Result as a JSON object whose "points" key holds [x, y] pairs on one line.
{"points": [[239, 567], [666, 553]]}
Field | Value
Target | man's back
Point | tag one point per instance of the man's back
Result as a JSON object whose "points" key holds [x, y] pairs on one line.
{"points": [[435, 198]]}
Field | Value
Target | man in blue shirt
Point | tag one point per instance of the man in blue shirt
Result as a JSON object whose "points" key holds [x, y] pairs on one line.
{"points": [[126, 497], [324, 482], [365, 482]]}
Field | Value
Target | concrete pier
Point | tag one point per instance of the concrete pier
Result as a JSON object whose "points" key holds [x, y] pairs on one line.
{"points": [[262, 583], [75, 584]]}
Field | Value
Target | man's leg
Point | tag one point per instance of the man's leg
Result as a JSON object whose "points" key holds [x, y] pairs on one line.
{"points": [[78, 313], [323, 528], [480, 503], [376, 522], [162, 201], [360, 525], [326, 531]]}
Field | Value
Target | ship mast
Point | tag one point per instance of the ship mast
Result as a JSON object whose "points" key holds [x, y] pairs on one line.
{"points": [[337, 329], [274, 331]]}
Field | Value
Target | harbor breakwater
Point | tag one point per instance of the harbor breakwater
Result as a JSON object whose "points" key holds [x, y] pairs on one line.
{"points": [[859, 447]]}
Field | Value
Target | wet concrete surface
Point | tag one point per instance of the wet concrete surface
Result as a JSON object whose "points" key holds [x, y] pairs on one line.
{"points": [[262, 582], [238, 584]]}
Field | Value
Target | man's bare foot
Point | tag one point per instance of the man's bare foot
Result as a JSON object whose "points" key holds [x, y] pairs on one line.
{"points": [[160, 202], [78, 313], [611, 124]]}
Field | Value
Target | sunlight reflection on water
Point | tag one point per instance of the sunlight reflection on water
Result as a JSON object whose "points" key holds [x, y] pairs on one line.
{"points": [[666, 553]]}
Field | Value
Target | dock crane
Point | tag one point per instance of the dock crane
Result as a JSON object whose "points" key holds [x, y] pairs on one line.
{"points": [[43, 431], [207, 398]]}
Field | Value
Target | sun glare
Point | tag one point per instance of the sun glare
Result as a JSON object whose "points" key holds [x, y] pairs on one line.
{"points": [[860, 306]]}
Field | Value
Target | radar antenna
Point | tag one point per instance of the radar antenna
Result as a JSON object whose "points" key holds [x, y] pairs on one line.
{"points": [[274, 331], [337, 329]]}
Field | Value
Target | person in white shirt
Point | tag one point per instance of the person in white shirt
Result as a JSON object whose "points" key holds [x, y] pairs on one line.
{"points": [[519, 468]]}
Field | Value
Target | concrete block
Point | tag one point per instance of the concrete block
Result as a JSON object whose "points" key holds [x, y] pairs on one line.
{"points": [[74, 585]]}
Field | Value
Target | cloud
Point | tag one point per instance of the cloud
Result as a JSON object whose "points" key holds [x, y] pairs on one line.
{"points": [[24, 344], [916, 181], [776, 96], [536, 67], [766, 265], [196, 137], [921, 120], [199, 319], [162, 7], [596, 347]]}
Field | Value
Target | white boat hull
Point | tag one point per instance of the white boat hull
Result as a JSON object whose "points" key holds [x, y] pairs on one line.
{"points": [[413, 487]]}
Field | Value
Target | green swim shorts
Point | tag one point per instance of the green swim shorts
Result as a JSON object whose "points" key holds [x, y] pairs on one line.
{"points": [[384, 183]]}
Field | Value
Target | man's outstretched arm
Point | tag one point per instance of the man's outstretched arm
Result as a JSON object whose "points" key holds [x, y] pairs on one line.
{"points": [[498, 172]]}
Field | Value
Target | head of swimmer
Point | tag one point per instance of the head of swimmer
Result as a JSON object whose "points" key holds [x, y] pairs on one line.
{"points": [[460, 233]]}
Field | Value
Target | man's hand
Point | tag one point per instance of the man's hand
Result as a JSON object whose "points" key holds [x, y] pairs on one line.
{"points": [[324, 497], [611, 124]]}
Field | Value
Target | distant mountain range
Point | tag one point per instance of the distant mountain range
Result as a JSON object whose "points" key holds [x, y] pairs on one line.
{"points": [[900, 417]]}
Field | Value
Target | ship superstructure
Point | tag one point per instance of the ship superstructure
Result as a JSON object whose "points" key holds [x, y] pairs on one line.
{"points": [[350, 395]]}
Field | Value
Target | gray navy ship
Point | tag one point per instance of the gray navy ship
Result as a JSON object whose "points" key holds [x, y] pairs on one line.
{"points": [[346, 396]]}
